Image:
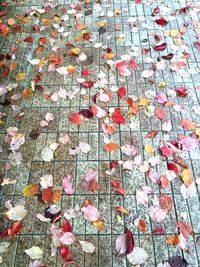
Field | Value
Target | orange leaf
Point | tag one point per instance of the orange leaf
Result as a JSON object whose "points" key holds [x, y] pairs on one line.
{"points": [[142, 225], [31, 190], [27, 92], [166, 202], [173, 240], [111, 146], [15, 228], [122, 210], [186, 176], [56, 196], [189, 125], [47, 195]]}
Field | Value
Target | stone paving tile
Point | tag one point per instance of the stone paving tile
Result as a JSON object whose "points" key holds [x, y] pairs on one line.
{"points": [[36, 106]]}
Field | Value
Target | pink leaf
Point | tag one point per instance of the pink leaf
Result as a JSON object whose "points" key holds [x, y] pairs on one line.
{"points": [[121, 245], [122, 68], [67, 185], [157, 214], [197, 45], [90, 213], [90, 175]]}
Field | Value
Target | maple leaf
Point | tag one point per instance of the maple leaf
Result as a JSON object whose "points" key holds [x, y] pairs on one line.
{"points": [[31, 190]]}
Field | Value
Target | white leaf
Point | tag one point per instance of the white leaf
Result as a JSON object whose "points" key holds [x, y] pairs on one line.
{"points": [[147, 73], [46, 181], [87, 247], [35, 253], [47, 154], [4, 246], [164, 264], [167, 126], [138, 256], [64, 139], [3, 90], [62, 93], [49, 117], [128, 150], [16, 213], [34, 61], [62, 70], [42, 218], [84, 147]]}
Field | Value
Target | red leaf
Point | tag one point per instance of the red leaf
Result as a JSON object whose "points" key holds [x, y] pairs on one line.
{"points": [[116, 183], [114, 165], [133, 64], [15, 228], [156, 10], [168, 57], [197, 45], [152, 134], [129, 241], [66, 226], [47, 195], [120, 190], [161, 22], [181, 91], [121, 91], [4, 233], [172, 167], [160, 113], [28, 39], [160, 47], [87, 36], [75, 118], [87, 84], [65, 252], [93, 185], [85, 73], [159, 230], [117, 116], [164, 181]]}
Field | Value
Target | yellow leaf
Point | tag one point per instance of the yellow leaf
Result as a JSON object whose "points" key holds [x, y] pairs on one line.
{"points": [[143, 101], [20, 76], [75, 51], [99, 225], [149, 148], [197, 132], [186, 176], [101, 23], [31, 190]]}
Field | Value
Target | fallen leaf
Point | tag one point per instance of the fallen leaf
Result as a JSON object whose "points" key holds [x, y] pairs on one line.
{"points": [[111, 147], [75, 118], [86, 246], [186, 176], [31, 190], [35, 253]]}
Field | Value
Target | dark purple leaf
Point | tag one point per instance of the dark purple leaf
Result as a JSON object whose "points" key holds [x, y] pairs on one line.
{"points": [[160, 47], [129, 241], [177, 261], [168, 57], [87, 113]]}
